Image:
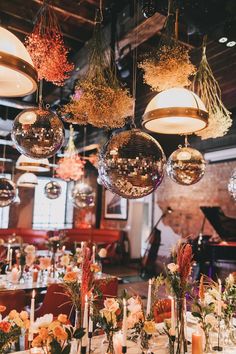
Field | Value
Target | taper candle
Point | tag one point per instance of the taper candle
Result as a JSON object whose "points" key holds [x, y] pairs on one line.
{"points": [[124, 324], [219, 300], [91, 315], [10, 259], [94, 254], [8, 252], [85, 323], [32, 309], [149, 299]]}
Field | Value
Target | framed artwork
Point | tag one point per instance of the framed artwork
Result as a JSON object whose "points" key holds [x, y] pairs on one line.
{"points": [[115, 207]]}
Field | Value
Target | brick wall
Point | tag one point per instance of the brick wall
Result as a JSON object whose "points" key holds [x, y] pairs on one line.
{"points": [[186, 201]]}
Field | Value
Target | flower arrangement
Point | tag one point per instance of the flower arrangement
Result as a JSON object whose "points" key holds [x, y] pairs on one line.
{"points": [[46, 48], [55, 336], [208, 89], [11, 326], [99, 99], [169, 64]]}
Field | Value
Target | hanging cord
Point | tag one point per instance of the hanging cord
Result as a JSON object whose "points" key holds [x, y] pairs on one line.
{"points": [[135, 60], [53, 167], [4, 158], [177, 24], [186, 143], [39, 97], [84, 145]]}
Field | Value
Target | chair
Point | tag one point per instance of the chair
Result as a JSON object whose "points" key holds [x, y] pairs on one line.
{"points": [[13, 300], [56, 302], [162, 310]]}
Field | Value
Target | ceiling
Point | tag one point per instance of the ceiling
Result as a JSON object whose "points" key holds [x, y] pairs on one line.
{"points": [[216, 18]]}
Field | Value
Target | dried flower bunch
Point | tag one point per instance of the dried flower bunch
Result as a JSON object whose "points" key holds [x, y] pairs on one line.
{"points": [[99, 99], [46, 48], [169, 64], [208, 89]]}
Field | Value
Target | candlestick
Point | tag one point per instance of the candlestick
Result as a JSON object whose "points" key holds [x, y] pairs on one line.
{"points": [[124, 324], [63, 249], [32, 309], [10, 259], [14, 275], [8, 252], [94, 254], [149, 299], [219, 301], [85, 325], [91, 315], [197, 343]]}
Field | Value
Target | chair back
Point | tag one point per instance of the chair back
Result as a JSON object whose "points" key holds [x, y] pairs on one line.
{"points": [[12, 300], [162, 310], [56, 302]]}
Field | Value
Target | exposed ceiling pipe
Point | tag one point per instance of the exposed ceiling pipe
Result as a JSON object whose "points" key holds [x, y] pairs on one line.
{"points": [[16, 103]]}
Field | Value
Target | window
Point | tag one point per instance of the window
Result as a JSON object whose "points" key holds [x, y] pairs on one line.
{"points": [[52, 213], [4, 212]]}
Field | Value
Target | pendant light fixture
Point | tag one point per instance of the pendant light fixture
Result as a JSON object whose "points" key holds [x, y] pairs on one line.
{"points": [[28, 164], [175, 111], [7, 187], [52, 189], [18, 76], [28, 180]]}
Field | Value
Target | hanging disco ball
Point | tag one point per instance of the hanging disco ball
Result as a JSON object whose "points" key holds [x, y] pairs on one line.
{"points": [[232, 185], [186, 166], [132, 164], [7, 192], [37, 133], [148, 8], [83, 195], [52, 190]]}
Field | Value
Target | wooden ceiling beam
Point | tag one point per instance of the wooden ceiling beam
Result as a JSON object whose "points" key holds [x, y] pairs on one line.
{"points": [[73, 10]]}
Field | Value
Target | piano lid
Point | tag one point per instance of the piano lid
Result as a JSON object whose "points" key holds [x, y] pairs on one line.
{"points": [[224, 225]]}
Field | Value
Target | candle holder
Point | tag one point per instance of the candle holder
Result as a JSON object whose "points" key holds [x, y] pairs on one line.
{"points": [[218, 347], [83, 350], [124, 349], [90, 335]]}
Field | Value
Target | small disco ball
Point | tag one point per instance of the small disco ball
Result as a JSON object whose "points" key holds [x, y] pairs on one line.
{"points": [[52, 190], [38, 133], [131, 164], [7, 192], [186, 166], [232, 185], [83, 195], [148, 8]]}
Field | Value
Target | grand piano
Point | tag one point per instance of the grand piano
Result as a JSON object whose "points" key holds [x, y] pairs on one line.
{"points": [[212, 257]]}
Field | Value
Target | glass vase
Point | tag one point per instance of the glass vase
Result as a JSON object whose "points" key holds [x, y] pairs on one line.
{"points": [[207, 345], [144, 341], [110, 347], [77, 318], [180, 317]]}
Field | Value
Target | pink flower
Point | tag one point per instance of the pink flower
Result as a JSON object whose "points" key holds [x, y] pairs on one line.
{"points": [[111, 304], [173, 268], [134, 305], [134, 318]]}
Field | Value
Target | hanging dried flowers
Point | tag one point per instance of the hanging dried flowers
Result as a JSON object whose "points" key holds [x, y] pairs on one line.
{"points": [[71, 166], [168, 65], [46, 48], [99, 99], [208, 89]]}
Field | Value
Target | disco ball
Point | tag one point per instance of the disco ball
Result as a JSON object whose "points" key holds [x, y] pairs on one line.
{"points": [[7, 192], [52, 190], [83, 195], [148, 8], [232, 185], [37, 133], [186, 166], [131, 164]]}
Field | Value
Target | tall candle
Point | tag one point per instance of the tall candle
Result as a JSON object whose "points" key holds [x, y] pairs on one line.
{"points": [[219, 301], [14, 275], [197, 343], [124, 324], [149, 299], [172, 313], [10, 258], [8, 252], [32, 309], [85, 323], [94, 254], [91, 315]]}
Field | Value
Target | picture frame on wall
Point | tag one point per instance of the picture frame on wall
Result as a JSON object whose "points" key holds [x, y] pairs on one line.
{"points": [[115, 207]]}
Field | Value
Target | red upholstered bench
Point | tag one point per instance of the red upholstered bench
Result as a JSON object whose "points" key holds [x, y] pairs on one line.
{"points": [[36, 237]]}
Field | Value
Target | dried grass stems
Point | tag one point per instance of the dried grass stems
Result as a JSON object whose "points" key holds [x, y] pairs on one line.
{"points": [[99, 99], [168, 66], [46, 48], [207, 88]]}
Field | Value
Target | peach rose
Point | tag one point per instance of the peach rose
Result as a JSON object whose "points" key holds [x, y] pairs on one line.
{"points": [[65, 260], [110, 316], [70, 277], [29, 259], [30, 249], [5, 326], [62, 318], [102, 253], [60, 333], [26, 324], [111, 304], [134, 318], [134, 304], [2, 308], [95, 268], [18, 321], [173, 268], [37, 342], [43, 333], [53, 325], [24, 315], [149, 327], [44, 263], [13, 314]]}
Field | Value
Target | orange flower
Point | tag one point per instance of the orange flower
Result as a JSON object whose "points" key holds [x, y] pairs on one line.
{"points": [[2, 308], [37, 342], [43, 333], [24, 315], [94, 268], [60, 333], [13, 314], [62, 318], [44, 263], [5, 326], [70, 277], [53, 325], [26, 324]]}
